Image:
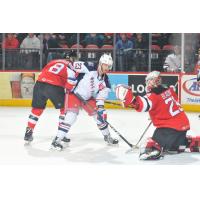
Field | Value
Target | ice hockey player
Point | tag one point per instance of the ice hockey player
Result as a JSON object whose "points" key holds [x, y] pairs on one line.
{"points": [[54, 78], [90, 92], [166, 114]]}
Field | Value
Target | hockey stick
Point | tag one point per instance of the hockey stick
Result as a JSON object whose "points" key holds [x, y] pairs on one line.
{"points": [[136, 146], [113, 103], [117, 104], [91, 108]]}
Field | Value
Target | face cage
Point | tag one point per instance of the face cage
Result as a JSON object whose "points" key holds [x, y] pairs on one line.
{"points": [[153, 83]]}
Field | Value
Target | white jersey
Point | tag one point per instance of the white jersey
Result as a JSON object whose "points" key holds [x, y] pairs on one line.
{"points": [[172, 63], [91, 85]]}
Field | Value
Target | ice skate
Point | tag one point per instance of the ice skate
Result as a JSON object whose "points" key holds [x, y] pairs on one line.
{"points": [[56, 144], [151, 155], [28, 136], [110, 140], [65, 142]]}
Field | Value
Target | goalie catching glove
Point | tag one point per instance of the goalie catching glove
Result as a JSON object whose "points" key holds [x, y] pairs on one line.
{"points": [[125, 95]]}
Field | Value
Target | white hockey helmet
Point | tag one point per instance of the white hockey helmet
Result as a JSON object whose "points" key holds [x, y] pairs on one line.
{"points": [[152, 80], [106, 59]]}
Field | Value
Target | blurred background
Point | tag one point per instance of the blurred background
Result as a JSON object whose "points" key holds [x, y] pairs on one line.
{"points": [[132, 52]]}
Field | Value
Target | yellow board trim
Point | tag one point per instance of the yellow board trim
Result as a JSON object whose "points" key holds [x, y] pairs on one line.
{"points": [[191, 108], [27, 103], [19, 102]]}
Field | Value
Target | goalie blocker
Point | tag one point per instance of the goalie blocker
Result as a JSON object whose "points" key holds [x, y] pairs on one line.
{"points": [[166, 114]]}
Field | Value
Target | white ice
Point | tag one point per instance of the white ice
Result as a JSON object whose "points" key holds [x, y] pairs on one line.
{"points": [[87, 144]]}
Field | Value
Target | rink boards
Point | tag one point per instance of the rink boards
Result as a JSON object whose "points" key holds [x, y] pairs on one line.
{"points": [[16, 87]]}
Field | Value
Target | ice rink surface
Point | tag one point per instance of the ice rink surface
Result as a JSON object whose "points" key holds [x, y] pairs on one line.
{"points": [[87, 145]]}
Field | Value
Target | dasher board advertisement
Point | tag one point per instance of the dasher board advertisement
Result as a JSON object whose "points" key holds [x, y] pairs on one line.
{"points": [[137, 82], [17, 85], [190, 90]]}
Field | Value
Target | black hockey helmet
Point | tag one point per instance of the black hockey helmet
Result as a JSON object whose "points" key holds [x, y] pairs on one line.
{"points": [[72, 54]]}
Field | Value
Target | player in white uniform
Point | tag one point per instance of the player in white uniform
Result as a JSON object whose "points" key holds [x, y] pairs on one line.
{"points": [[90, 93]]}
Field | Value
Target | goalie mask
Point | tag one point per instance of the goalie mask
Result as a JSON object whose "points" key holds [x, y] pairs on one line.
{"points": [[152, 80]]}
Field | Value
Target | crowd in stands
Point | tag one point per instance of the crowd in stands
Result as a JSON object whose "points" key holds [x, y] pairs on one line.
{"points": [[131, 49]]}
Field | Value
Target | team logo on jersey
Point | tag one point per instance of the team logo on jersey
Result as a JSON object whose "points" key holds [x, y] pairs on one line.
{"points": [[101, 86], [192, 87]]}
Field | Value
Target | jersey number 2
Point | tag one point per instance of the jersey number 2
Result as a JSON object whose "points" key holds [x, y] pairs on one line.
{"points": [[56, 68], [174, 106]]}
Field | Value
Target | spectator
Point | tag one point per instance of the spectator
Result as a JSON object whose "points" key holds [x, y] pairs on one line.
{"points": [[140, 53], [191, 47], [62, 40], [108, 39], [30, 42], [197, 66], [10, 42], [124, 52], [53, 41], [20, 36], [30, 47], [173, 61], [93, 38], [46, 46], [72, 39], [156, 39], [124, 42], [160, 39], [50, 46], [175, 39]]}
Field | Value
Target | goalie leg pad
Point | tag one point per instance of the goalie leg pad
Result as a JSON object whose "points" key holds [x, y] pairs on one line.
{"points": [[150, 151], [194, 143]]}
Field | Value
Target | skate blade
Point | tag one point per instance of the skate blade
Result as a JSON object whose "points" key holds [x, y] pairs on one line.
{"points": [[52, 148], [27, 143], [113, 145], [146, 158], [65, 145]]}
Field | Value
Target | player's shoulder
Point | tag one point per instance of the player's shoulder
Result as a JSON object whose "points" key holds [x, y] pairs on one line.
{"points": [[91, 66], [57, 61], [83, 67]]}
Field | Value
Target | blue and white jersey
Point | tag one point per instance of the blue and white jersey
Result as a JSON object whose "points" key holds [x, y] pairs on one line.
{"points": [[91, 85]]}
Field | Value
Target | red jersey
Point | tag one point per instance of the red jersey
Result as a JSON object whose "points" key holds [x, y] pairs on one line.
{"points": [[56, 72], [164, 109]]}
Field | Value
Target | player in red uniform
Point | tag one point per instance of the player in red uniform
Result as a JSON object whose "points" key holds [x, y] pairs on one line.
{"points": [[166, 114], [54, 78]]}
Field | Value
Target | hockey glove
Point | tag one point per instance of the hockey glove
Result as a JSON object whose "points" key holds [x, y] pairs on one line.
{"points": [[124, 93], [101, 115]]}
